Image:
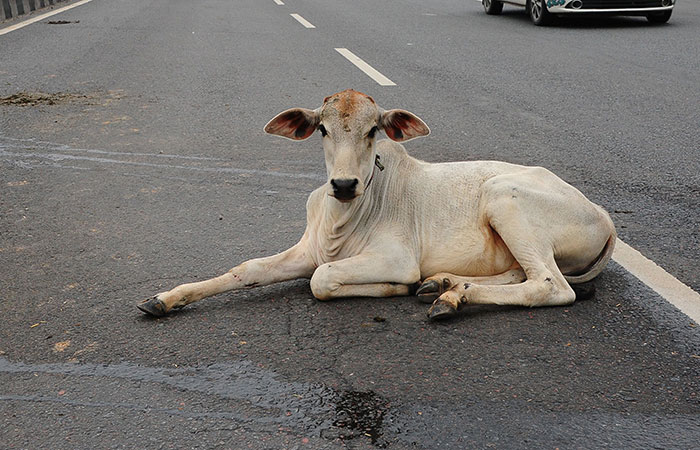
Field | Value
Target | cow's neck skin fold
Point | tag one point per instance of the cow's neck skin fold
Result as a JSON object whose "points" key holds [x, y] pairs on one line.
{"points": [[342, 222]]}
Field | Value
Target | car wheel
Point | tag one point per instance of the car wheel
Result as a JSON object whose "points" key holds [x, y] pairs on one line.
{"points": [[660, 18], [492, 6], [537, 9]]}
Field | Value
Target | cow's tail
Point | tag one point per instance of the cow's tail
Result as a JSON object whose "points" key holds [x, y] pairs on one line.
{"points": [[594, 269]]}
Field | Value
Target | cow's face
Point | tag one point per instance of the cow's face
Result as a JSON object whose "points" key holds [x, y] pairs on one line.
{"points": [[348, 122]]}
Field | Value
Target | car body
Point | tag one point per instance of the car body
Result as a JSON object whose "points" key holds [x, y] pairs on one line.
{"points": [[542, 12]]}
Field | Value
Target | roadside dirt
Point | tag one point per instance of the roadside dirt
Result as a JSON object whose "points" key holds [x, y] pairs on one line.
{"points": [[42, 98]]}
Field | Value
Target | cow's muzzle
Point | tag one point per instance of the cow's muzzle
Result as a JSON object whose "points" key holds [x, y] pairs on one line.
{"points": [[344, 189]]}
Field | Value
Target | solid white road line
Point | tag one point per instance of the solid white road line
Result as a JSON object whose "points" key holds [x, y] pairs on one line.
{"points": [[302, 21], [665, 284], [366, 68], [42, 17], [279, 2]]}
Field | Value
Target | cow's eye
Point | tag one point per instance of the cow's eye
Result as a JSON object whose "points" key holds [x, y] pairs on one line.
{"points": [[323, 131], [372, 132]]}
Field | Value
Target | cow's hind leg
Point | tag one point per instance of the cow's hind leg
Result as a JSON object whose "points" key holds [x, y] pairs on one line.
{"points": [[545, 286], [531, 242], [440, 283], [548, 226]]}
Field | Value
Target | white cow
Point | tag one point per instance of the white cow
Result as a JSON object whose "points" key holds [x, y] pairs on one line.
{"points": [[480, 232]]}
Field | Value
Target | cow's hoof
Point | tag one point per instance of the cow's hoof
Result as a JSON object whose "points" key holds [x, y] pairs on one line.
{"points": [[440, 311], [428, 288], [153, 306], [428, 292]]}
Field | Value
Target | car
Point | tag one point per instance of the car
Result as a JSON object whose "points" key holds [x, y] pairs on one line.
{"points": [[543, 12]]}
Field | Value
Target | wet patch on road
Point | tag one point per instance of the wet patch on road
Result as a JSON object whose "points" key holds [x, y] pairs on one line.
{"points": [[260, 398]]}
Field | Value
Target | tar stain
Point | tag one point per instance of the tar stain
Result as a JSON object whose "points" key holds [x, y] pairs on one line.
{"points": [[360, 415]]}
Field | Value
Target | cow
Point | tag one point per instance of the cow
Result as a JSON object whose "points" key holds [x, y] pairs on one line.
{"points": [[454, 234]]}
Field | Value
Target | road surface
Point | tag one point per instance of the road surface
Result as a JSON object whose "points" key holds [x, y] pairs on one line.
{"points": [[146, 166]]}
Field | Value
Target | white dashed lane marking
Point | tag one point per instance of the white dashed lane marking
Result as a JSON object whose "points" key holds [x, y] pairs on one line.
{"points": [[302, 21], [366, 68]]}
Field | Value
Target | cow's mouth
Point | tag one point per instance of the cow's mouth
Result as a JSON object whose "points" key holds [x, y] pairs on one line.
{"points": [[344, 199]]}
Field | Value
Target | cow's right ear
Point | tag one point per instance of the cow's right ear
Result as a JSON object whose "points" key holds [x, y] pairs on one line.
{"points": [[295, 123]]}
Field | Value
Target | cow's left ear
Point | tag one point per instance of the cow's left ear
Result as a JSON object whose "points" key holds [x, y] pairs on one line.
{"points": [[402, 125], [295, 123]]}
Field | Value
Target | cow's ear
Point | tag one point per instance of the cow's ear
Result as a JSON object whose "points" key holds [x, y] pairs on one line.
{"points": [[402, 125], [295, 123]]}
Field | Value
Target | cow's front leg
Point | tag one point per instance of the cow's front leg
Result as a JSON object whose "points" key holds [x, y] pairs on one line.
{"points": [[288, 265], [373, 274]]}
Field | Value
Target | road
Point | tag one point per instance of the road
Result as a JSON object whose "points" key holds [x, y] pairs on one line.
{"points": [[147, 166]]}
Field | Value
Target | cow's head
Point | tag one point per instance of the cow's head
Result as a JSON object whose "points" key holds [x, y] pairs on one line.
{"points": [[349, 122]]}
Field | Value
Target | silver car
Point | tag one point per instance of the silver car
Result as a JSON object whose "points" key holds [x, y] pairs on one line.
{"points": [[542, 12]]}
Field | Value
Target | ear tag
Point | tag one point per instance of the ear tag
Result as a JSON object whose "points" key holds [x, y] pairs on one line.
{"points": [[378, 164]]}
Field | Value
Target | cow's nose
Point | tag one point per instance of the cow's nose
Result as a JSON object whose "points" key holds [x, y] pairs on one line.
{"points": [[344, 189]]}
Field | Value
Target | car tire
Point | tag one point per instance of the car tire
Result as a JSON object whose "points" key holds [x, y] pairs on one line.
{"points": [[492, 7], [659, 18], [537, 10]]}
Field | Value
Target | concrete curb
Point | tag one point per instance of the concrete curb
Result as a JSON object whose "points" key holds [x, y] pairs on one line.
{"points": [[14, 8]]}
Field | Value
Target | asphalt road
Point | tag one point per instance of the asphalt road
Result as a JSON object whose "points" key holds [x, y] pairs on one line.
{"points": [[147, 166]]}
